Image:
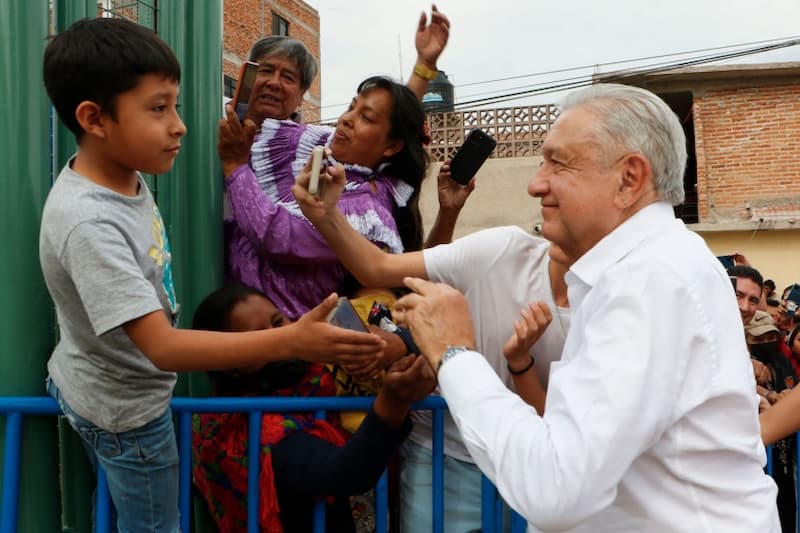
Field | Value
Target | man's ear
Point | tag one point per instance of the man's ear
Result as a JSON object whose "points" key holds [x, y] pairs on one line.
{"points": [[636, 176], [394, 147], [91, 119]]}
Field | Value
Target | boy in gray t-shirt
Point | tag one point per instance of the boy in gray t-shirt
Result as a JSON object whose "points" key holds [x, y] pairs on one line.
{"points": [[106, 261]]}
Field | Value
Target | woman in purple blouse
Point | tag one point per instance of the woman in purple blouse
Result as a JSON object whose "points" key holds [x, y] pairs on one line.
{"points": [[271, 245]]}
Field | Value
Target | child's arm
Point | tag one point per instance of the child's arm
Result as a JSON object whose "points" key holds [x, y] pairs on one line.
{"points": [[782, 419], [311, 338], [516, 350], [407, 380]]}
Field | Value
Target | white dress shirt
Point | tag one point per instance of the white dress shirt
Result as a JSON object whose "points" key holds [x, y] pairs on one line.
{"points": [[651, 421]]}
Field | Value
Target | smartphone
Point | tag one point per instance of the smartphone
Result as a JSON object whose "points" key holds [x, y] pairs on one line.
{"points": [[471, 155], [727, 261], [345, 316], [244, 88], [793, 300], [316, 166]]}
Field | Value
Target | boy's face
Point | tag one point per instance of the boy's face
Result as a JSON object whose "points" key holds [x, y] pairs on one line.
{"points": [[146, 133]]}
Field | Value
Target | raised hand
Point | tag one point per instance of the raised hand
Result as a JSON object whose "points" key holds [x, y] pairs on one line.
{"points": [[234, 139]]}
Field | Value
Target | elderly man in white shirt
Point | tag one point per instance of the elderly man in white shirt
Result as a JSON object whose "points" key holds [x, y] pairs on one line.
{"points": [[651, 421]]}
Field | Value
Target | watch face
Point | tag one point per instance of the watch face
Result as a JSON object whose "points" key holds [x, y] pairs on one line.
{"points": [[387, 325]]}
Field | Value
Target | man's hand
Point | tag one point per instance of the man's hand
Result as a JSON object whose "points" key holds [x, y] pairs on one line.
{"points": [[527, 330], [438, 317], [431, 39], [319, 341], [234, 140], [452, 195]]}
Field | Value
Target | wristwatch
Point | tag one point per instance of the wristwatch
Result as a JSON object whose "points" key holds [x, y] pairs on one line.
{"points": [[449, 353]]}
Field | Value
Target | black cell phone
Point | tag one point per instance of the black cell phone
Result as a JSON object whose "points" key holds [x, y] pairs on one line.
{"points": [[727, 261], [471, 155], [344, 315], [244, 88], [793, 300]]}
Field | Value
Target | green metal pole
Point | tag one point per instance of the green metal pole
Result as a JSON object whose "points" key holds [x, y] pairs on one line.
{"points": [[26, 312], [190, 196]]}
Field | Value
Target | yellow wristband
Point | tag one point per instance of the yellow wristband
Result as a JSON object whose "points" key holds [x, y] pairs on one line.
{"points": [[425, 73]]}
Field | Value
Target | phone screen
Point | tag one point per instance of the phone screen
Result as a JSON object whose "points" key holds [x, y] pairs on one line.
{"points": [[244, 88], [344, 315], [793, 300], [726, 260]]}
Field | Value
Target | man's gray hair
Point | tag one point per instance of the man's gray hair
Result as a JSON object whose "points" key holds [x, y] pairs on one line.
{"points": [[635, 120], [292, 49]]}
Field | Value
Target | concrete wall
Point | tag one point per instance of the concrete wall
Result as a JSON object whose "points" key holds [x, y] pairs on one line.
{"points": [[500, 197]]}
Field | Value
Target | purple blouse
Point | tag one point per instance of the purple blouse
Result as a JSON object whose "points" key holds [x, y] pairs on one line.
{"points": [[272, 246]]}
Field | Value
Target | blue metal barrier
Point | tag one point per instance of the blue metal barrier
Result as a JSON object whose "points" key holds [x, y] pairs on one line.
{"points": [[16, 407]]}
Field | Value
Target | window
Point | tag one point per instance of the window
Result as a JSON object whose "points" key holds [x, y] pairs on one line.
{"points": [[228, 86], [681, 104], [280, 26]]}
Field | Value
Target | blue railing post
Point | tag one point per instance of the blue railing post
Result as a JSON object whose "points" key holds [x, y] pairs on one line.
{"points": [[438, 470], [185, 469], [382, 503], [11, 462], [103, 503], [253, 470], [319, 505], [488, 509]]}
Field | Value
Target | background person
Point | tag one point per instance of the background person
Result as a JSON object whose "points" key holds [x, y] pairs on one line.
{"points": [[500, 270], [651, 418], [302, 458]]}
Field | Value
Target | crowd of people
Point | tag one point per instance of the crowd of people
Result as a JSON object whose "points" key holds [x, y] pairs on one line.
{"points": [[584, 373]]}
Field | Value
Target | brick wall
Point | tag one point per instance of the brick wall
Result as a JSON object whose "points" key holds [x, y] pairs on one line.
{"points": [[246, 21], [748, 151]]}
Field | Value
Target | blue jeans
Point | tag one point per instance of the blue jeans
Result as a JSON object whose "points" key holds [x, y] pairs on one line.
{"points": [[141, 466], [462, 492]]}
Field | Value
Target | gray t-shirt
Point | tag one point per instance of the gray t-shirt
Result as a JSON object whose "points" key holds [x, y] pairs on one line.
{"points": [[106, 261]]}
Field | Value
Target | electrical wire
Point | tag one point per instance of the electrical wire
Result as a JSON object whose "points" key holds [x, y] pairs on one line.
{"points": [[617, 75]]}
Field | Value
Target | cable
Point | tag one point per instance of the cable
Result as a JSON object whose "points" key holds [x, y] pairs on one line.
{"points": [[594, 65], [617, 75]]}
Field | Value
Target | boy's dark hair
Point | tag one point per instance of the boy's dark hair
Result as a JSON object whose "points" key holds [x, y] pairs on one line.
{"points": [[97, 59], [748, 272], [407, 119]]}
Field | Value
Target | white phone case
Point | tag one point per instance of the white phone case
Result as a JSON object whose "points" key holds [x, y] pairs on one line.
{"points": [[316, 164]]}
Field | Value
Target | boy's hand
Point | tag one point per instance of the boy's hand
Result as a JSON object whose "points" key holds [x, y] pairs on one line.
{"points": [[371, 368], [234, 140], [527, 330], [320, 341]]}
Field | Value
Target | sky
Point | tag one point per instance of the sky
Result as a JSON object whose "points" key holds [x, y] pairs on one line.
{"points": [[498, 39]]}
